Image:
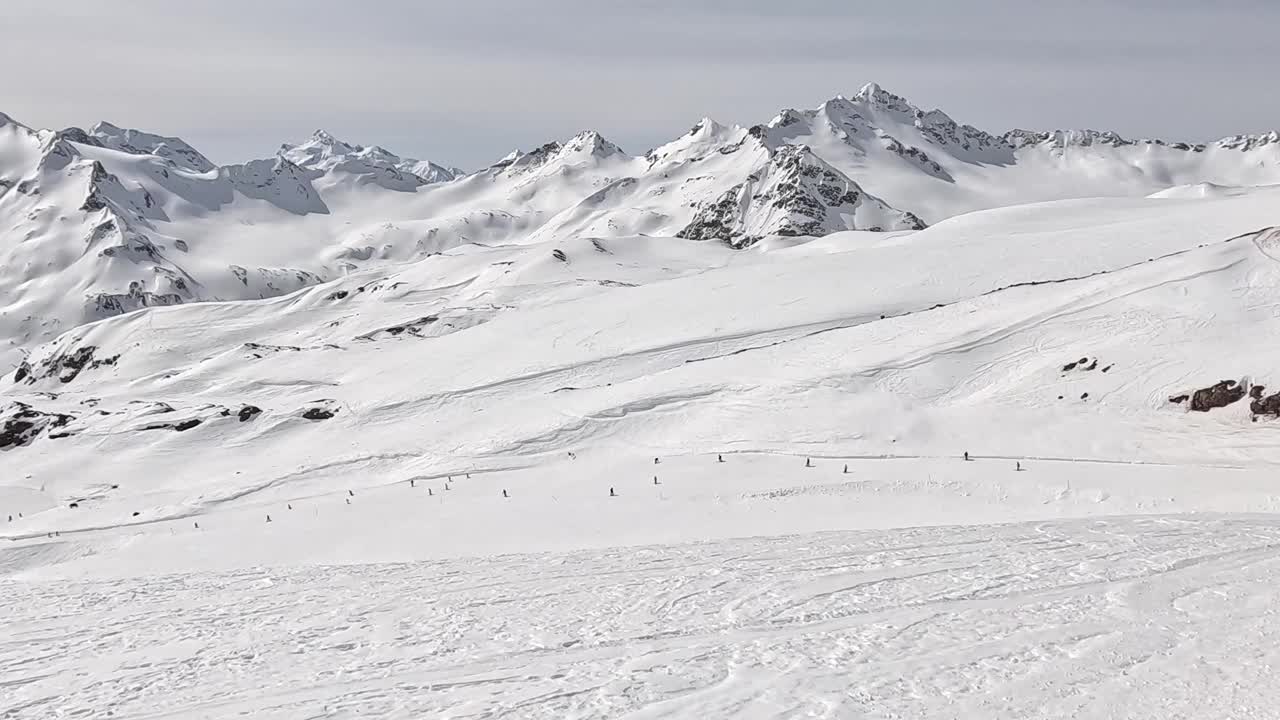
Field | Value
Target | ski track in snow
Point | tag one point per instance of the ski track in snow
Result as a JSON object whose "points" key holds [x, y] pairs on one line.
{"points": [[1140, 618]]}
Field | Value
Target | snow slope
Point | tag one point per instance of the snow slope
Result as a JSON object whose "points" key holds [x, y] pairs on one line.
{"points": [[521, 444]]}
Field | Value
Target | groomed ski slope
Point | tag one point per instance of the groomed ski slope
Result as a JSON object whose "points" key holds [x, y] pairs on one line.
{"points": [[1105, 552]]}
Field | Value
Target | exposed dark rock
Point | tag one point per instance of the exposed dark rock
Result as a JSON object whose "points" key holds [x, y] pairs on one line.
{"points": [[1268, 405], [1084, 396], [413, 327], [186, 425], [795, 194], [337, 295], [559, 255], [66, 366], [1069, 366], [317, 413], [248, 412], [258, 350], [1179, 399], [24, 424], [1218, 395], [136, 297]]}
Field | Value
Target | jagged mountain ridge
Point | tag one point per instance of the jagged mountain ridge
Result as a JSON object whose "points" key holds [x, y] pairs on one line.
{"points": [[110, 220]]}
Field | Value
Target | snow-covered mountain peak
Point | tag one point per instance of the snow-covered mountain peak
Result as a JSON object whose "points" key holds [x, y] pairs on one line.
{"points": [[7, 120], [137, 142], [706, 127], [875, 96], [323, 153], [590, 142], [795, 193], [869, 90], [1245, 143]]}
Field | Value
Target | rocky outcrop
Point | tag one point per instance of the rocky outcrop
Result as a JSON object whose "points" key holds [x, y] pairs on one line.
{"points": [[319, 413], [23, 424], [1084, 364], [1218, 395], [413, 327], [796, 193], [1264, 404], [65, 366]]}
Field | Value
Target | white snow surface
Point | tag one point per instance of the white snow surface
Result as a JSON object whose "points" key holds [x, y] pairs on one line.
{"points": [[362, 442]]}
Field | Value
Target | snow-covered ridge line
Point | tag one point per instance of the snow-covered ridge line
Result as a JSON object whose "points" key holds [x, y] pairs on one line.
{"points": [[324, 208]]}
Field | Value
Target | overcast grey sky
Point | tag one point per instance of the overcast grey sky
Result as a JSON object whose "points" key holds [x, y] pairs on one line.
{"points": [[462, 82]]}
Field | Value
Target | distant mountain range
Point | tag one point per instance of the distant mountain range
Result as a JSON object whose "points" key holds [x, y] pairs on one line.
{"points": [[101, 222]]}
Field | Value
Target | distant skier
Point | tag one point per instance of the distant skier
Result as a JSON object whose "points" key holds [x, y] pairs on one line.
{"points": [[429, 493], [655, 479], [655, 461], [268, 518], [808, 462], [612, 493], [197, 526], [1017, 466], [719, 458], [412, 483], [966, 455], [504, 494], [348, 500], [846, 469], [290, 506]]}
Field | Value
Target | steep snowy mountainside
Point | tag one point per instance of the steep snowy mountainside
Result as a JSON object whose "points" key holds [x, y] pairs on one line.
{"points": [[105, 221], [950, 338], [795, 194], [324, 153], [136, 142], [91, 231], [927, 163]]}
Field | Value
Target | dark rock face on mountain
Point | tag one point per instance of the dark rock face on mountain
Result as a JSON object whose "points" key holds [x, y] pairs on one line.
{"points": [[65, 366], [795, 194], [1219, 395], [23, 424], [319, 413], [1263, 404]]}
